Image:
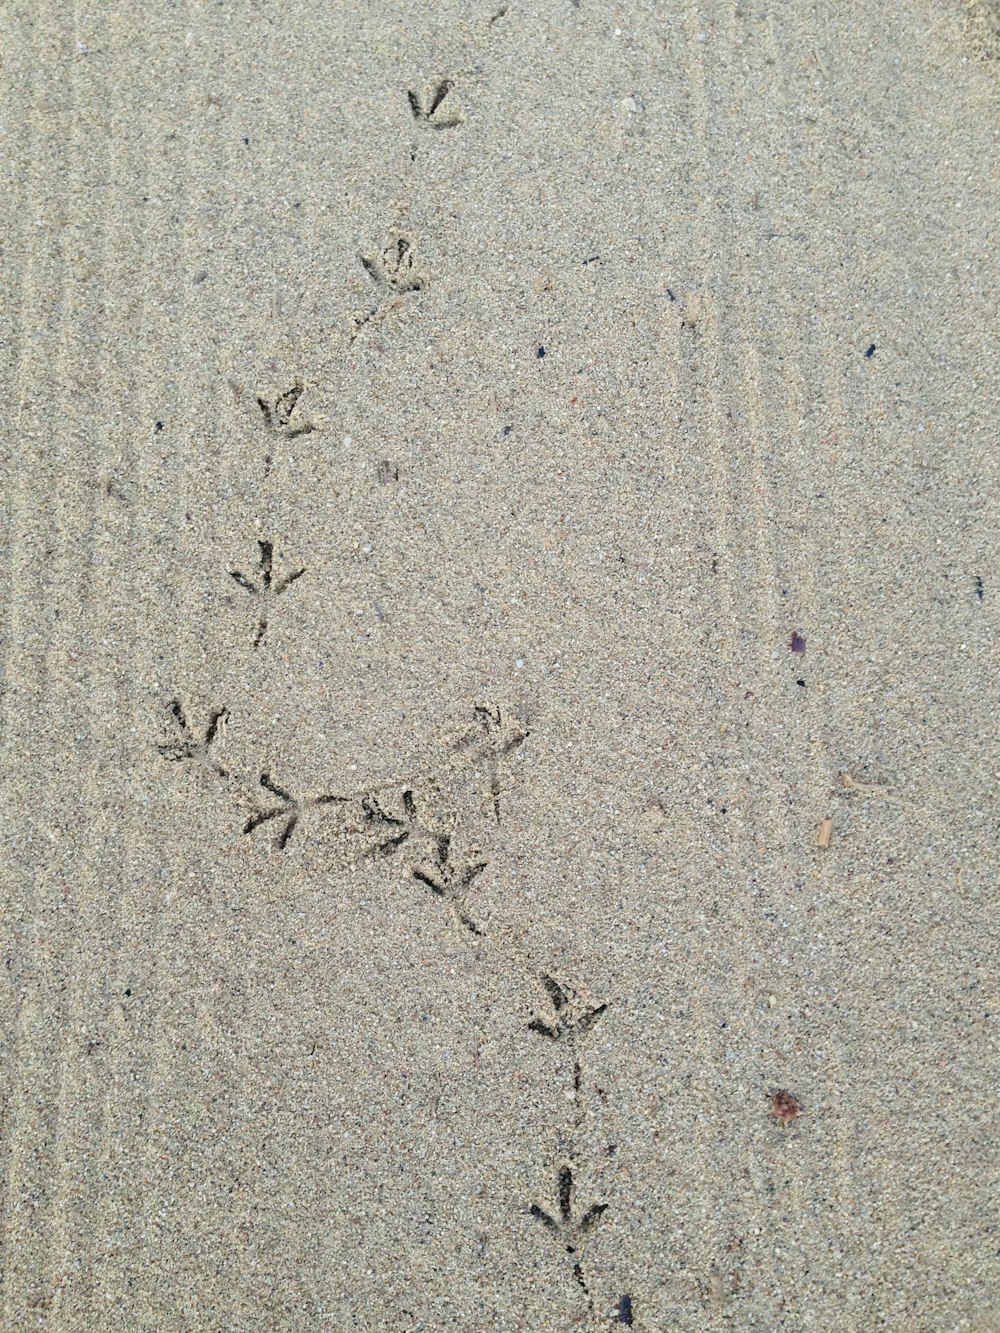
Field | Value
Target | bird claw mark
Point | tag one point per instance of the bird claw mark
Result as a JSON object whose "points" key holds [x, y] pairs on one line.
{"points": [[278, 415], [188, 747], [492, 737], [449, 879], [290, 810], [394, 828], [495, 727], [395, 269], [391, 830], [425, 109], [268, 588], [568, 1019], [394, 273], [569, 1232]]}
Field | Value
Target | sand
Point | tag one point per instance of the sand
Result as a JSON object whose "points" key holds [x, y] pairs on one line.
{"points": [[499, 595]]}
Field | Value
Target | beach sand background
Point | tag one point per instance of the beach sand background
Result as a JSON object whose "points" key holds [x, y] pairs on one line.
{"points": [[621, 379]]}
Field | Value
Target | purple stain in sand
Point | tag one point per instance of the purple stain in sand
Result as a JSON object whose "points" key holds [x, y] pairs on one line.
{"points": [[798, 642]]}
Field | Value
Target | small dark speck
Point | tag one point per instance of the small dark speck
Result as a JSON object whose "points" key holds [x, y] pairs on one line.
{"points": [[979, 587], [798, 644], [159, 427], [871, 352], [540, 353], [800, 682], [247, 142], [625, 1310], [592, 260], [128, 990], [507, 430], [671, 295]]}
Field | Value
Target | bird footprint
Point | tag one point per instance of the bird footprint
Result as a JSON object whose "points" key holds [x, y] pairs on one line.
{"points": [[188, 746], [290, 810], [569, 1017], [427, 109], [278, 415], [267, 589], [570, 1232]]}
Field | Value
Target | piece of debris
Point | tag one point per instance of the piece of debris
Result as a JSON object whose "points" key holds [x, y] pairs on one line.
{"points": [[785, 1106], [798, 643], [870, 353], [868, 788], [825, 834]]}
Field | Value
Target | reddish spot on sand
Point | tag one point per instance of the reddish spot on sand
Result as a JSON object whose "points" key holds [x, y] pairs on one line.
{"points": [[798, 642], [785, 1106]]}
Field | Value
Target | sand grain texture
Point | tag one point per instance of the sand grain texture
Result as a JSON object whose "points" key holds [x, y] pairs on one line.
{"points": [[564, 434]]}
